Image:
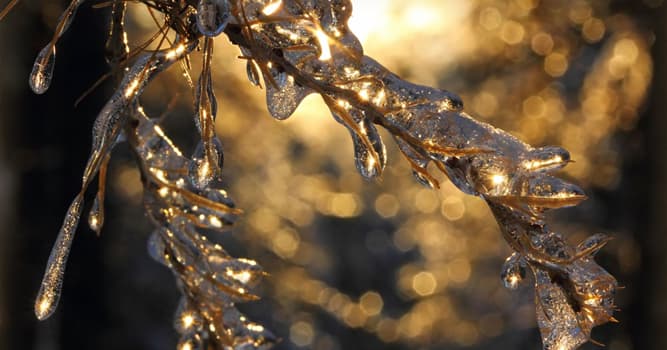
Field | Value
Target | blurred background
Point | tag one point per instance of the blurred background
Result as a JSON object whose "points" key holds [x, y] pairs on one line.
{"points": [[353, 264]]}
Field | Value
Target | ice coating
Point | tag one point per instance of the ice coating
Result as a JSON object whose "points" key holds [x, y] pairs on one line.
{"points": [[180, 206], [209, 153], [303, 47], [106, 130], [320, 55]]}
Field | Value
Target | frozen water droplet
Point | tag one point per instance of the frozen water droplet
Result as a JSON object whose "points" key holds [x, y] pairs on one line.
{"points": [[42, 70], [96, 216], [213, 16], [282, 100], [49, 292], [366, 163], [370, 154], [513, 271], [201, 172]]}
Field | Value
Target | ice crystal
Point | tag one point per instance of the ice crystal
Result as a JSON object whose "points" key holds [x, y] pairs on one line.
{"points": [[301, 47]]}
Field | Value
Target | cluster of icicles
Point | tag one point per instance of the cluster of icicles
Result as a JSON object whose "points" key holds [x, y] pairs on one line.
{"points": [[301, 47]]}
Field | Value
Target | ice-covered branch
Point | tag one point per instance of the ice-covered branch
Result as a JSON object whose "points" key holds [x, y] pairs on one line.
{"points": [[301, 47], [304, 47]]}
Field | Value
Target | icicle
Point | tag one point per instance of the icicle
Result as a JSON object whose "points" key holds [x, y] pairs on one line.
{"points": [[282, 100], [42, 70], [96, 216], [213, 16], [364, 160], [369, 150], [201, 172], [49, 292]]}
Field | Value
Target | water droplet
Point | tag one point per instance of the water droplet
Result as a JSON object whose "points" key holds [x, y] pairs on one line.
{"points": [[50, 290], [42, 70], [213, 16]]}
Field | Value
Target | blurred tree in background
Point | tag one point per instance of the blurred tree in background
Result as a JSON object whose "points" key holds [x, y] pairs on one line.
{"points": [[353, 265]]}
